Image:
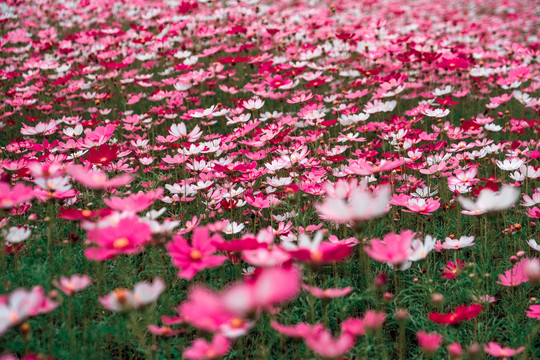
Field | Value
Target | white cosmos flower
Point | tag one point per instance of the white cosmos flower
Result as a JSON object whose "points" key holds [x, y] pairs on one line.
{"points": [[510, 165], [490, 201], [462, 242], [421, 249], [532, 243], [17, 234]]}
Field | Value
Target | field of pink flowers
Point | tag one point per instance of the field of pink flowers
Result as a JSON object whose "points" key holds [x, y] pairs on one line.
{"points": [[269, 179]]}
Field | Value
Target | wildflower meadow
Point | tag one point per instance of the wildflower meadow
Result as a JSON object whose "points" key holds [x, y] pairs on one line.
{"points": [[303, 179]]}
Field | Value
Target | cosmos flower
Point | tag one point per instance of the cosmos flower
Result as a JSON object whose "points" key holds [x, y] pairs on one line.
{"points": [[489, 200], [461, 314]]}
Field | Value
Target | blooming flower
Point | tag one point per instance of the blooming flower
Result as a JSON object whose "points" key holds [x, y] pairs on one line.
{"points": [[321, 342], [10, 197], [201, 349], [489, 200], [394, 248], [534, 312], [349, 202], [127, 237], [97, 179], [143, 293], [198, 256], [462, 242], [461, 314], [21, 304], [451, 270], [17, 234], [496, 350], [73, 284]]}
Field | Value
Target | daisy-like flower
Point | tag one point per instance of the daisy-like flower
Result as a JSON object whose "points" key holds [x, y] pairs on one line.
{"points": [[394, 249], [143, 293], [498, 351], [489, 200], [10, 197], [462, 242], [201, 349], [197, 256], [452, 269], [510, 165], [73, 284], [41, 128], [533, 312], [128, 236], [421, 249], [348, 201], [97, 179], [253, 104], [17, 234]]}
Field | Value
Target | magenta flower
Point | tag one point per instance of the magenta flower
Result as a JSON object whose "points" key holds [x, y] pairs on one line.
{"points": [[533, 312], [10, 197], [127, 237], [193, 258], [429, 342]]}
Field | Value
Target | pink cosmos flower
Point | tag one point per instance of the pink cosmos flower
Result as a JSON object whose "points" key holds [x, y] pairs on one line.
{"points": [[318, 252], [73, 284], [21, 304], [347, 201], [321, 342], [327, 293], [373, 320], [41, 128], [198, 256], [297, 331], [268, 287], [164, 330], [429, 342], [534, 312], [135, 202], [422, 206], [496, 350], [127, 237], [466, 178], [143, 294], [394, 248], [355, 326], [516, 275], [206, 310], [97, 179], [201, 349], [10, 197], [362, 167], [455, 350]]}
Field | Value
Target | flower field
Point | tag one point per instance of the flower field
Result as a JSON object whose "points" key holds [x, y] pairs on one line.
{"points": [[269, 179]]}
